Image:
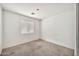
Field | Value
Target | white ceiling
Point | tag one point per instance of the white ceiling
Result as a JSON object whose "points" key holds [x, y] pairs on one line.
{"points": [[46, 9]]}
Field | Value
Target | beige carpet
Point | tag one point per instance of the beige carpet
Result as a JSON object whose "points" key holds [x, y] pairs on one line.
{"points": [[37, 48]]}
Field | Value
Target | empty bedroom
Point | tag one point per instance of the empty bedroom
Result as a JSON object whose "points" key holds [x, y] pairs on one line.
{"points": [[37, 29]]}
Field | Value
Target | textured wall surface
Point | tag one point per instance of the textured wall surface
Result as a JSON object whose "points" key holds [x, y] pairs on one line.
{"points": [[60, 29], [12, 34]]}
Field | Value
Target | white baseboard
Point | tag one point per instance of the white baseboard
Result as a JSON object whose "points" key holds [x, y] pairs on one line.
{"points": [[58, 43], [19, 43]]}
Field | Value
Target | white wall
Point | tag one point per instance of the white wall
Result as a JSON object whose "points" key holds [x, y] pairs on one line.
{"points": [[12, 35], [60, 29], [0, 29]]}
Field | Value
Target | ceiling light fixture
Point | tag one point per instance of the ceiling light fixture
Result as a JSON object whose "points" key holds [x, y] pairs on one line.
{"points": [[32, 13], [37, 9]]}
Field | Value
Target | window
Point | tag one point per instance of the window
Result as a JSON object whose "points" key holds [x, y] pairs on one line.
{"points": [[27, 27]]}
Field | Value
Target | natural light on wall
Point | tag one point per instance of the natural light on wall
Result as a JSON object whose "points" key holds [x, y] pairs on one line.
{"points": [[27, 27]]}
